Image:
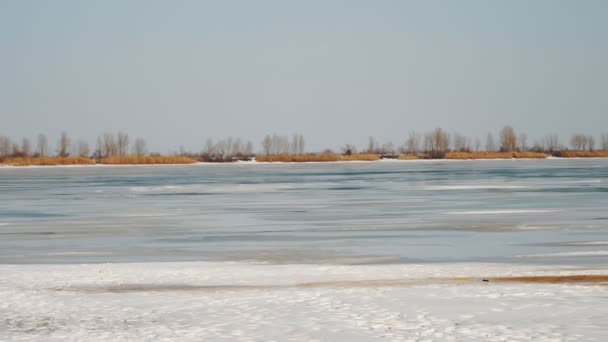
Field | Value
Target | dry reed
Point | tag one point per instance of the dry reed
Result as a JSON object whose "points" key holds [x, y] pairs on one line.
{"points": [[139, 160], [291, 158], [324, 157], [407, 157], [583, 154], [360, 157], [47, 161], [495, 155]]}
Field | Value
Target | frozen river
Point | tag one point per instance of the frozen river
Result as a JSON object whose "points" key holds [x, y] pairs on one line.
{"points": [[515, 211]]}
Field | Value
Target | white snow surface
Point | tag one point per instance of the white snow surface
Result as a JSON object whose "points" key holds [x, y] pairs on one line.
{"points": [[227, 301]]}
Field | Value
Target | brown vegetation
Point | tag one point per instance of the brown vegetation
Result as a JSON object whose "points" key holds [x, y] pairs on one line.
{"points": [[407, 157], [135, 160], [495, 155], [360, 157], [323, 157], [291, 158], [47, 161], [582, 154], [139, 160], [116, 148]]}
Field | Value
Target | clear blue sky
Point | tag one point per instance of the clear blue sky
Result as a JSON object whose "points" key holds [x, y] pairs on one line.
{"points": [[178, 72]]}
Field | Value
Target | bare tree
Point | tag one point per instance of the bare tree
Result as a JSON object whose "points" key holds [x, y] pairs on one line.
{"points": [[297, 144], [591, 142], [249, 149], [26, 147], [295, 149], [477, 144], [267, 144], [229, 149], [301, 144], [122, 143], [99, 148], [373, 145], [605, 141], [209, 149], [63, 145], [508, 139], [437, 143], [232, 146], [387, 148], [139, 147], [578, 142], [551, 143], [5, 147], [237, 147], [220, 148], [228, 145], [461, 143], [523, 142], [276, 144], [109, 148], [284, 144], [16, 151], [538, 146], [82, 148], [280, 144], [490, 144], [413, 143], [42, 146]]}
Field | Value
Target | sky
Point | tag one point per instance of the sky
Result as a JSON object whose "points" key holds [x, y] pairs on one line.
{"points": [[179, 72]]}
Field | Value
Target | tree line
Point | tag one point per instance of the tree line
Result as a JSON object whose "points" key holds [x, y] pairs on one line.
{"points": [[108, 145], [436, 143], [433, 144]]}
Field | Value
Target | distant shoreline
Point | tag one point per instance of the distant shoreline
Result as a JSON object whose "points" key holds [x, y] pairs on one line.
{"points": [[116, 149], [101, 165]]}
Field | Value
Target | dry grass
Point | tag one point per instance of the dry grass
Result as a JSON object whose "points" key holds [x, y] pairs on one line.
{"points": [[530, 155], [407, 157], [51, 161], [139, 160], [47, 161], [360, 156], [291, 158], [583, 154], [324, 157], [495, 155]]}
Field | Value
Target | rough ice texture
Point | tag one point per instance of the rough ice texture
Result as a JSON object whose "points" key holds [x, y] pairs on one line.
{"points": [[257, 302]]}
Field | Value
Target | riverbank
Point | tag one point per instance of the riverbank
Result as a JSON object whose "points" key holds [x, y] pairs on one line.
{"points": [[496, 155], [307, 158], [125, 160]]}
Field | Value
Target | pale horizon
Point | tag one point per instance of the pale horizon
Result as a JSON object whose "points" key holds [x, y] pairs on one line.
{"points": [[178, 73]]}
